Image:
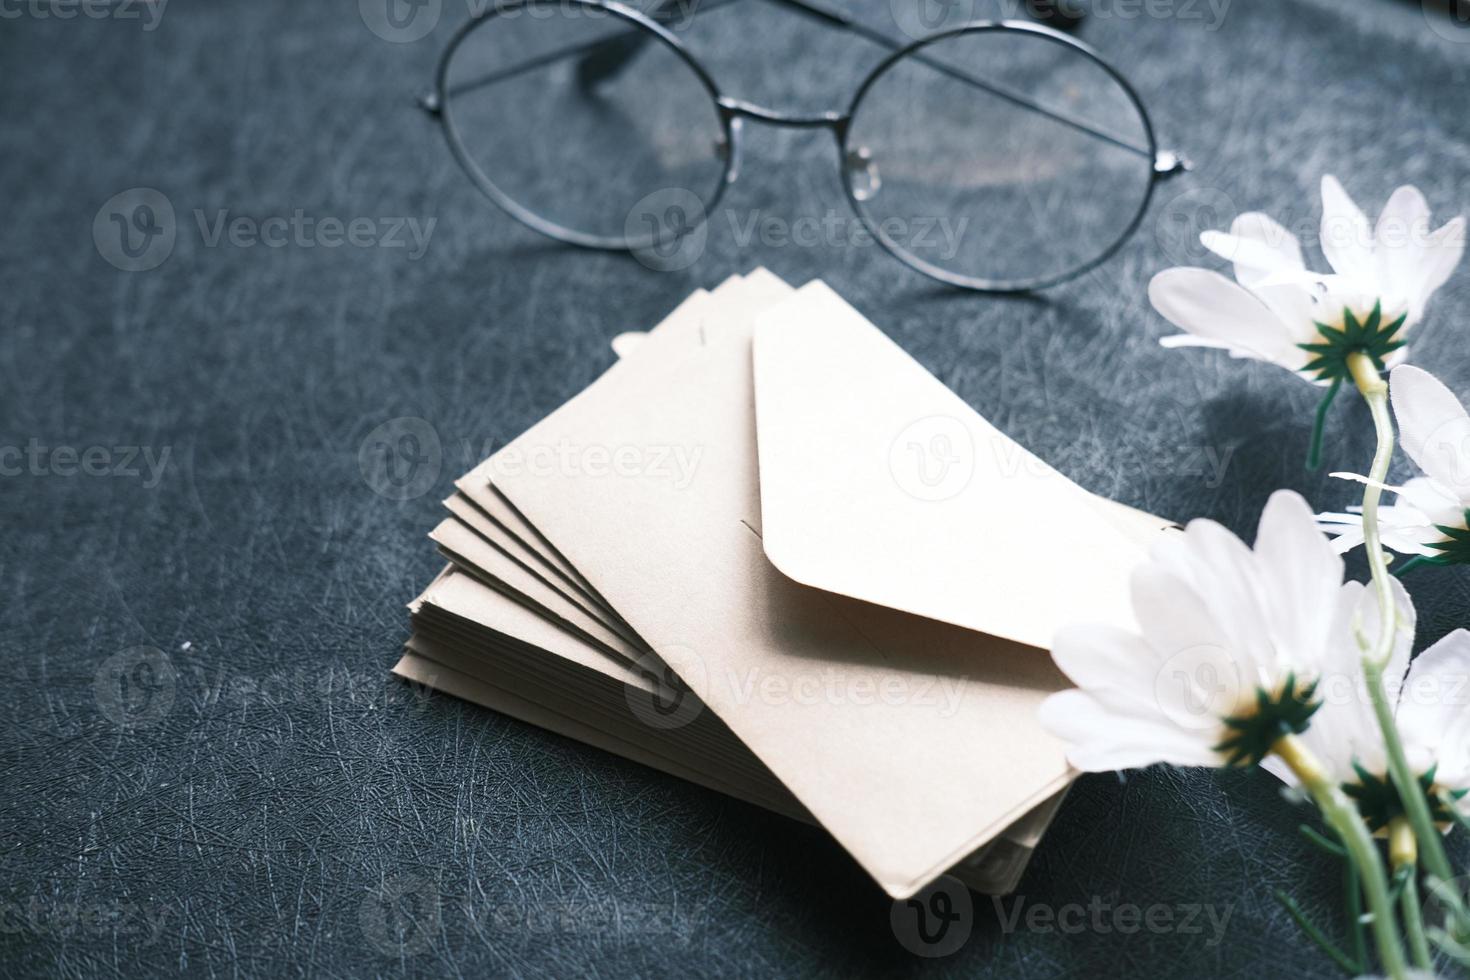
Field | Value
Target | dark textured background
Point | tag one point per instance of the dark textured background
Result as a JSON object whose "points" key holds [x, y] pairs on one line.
{"points": [[277, 798]]}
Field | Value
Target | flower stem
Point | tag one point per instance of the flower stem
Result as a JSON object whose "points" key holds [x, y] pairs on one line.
{"points": [[1403, 856], [1375, 392], [1343, 818]]}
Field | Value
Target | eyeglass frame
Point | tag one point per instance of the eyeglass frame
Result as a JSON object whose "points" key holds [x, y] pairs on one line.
{"points": [[732, 112]]}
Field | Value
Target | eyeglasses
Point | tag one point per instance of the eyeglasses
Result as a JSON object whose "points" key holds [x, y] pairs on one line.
{"points": [[997, 156]]}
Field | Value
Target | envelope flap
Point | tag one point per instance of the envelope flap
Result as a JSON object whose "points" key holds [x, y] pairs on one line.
{"points": [[879, 483]]}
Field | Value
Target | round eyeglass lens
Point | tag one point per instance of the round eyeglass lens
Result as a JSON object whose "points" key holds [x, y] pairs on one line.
{"points": [[999, 158], [584, 124]]}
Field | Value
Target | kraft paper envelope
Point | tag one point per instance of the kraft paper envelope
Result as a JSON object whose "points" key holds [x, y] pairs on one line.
{"points": [[522, 541], [913, 741], [544, 692], [879, 483]]}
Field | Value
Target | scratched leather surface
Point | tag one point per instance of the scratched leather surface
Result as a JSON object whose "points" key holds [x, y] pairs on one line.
{"points": [[266, 801]]}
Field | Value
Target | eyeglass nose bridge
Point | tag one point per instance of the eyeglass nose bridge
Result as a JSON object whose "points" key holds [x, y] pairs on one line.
{"points": [[734, 110]]}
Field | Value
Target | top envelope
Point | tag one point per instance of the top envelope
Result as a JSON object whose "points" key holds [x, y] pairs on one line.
{"points": [[879, 483], [911, 739]]}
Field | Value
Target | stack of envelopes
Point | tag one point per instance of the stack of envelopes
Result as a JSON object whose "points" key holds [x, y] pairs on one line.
{"points": [[769, 553]]}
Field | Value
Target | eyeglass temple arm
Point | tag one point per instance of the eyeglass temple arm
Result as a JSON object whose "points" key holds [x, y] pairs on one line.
{"points": [[605, 57], [609, 54], [838, 19]]}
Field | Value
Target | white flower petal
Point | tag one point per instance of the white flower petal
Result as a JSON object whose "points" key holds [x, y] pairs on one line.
{"points": [[1227, 574], [1346, 239], [1296, 308], [1190, 340], [1104, 735], [1436, 261], [1098, 656], [1434, 709], [1223, 313], [1402, 227], [1301, 574], [1434, 427], [1258, 246], [1367, 619], [1172, 613], [1435, 503]]}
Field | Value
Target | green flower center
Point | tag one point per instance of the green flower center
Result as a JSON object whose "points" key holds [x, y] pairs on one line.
{"points": [[1455, 549], [1371, 336], [1379, 802], [1258, 725]]}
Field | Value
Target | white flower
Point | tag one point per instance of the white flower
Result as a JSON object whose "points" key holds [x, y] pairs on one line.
{"points": [[1344, 729], [1430, 517], [1432, 714], [1231, 641], [1276, 305]]}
